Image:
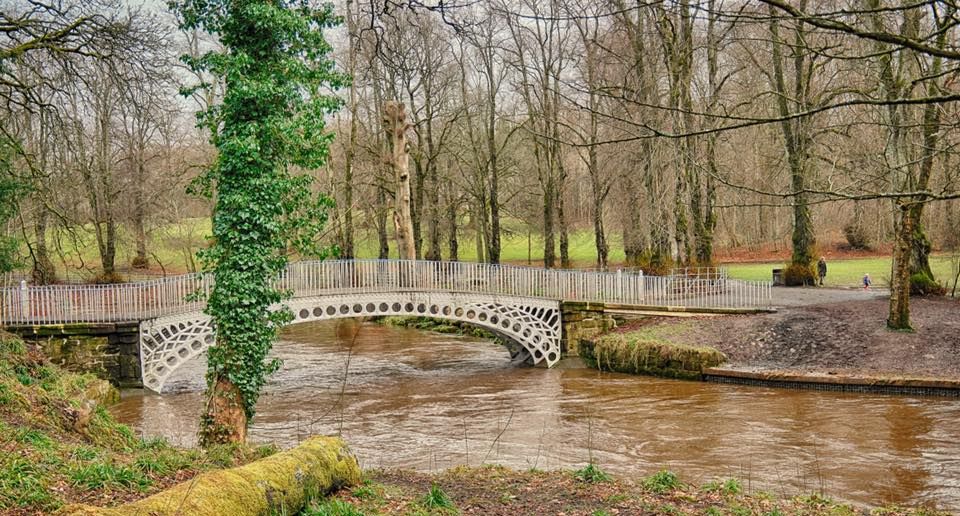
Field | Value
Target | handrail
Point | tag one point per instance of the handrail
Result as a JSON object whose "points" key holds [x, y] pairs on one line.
{"points": [[55, 304]]}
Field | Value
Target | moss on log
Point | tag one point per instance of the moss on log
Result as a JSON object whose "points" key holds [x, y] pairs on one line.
{"points": [[279, 484], [638, 354]]}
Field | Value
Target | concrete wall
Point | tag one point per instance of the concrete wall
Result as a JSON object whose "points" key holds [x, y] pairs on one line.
{"points": [[109, 350]]}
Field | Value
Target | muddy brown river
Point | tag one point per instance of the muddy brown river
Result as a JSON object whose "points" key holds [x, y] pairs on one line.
{"points": [[409, 399]]}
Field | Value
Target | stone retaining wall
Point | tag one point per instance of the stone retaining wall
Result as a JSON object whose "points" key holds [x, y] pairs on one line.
{"points": [[109, 350]]}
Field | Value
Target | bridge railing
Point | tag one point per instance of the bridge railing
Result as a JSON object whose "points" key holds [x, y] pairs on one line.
{"points": [[182, 294]]}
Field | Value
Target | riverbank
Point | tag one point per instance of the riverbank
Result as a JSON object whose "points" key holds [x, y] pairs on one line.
{"points": [[498, 491], [847, 338], [59, 445]]}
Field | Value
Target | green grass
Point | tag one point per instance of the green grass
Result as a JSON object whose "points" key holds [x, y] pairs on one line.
{"points": [[171, 247], [661, 482], [436, 499], [106, 475], [730, 486], [843, 273], [592, 473], [331, 508]]}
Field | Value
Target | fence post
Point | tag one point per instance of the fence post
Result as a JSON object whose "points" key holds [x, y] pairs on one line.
{"points": [[24, 301]]}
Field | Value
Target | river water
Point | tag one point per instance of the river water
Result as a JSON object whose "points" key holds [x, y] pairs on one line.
{"points": [[409, 399]]}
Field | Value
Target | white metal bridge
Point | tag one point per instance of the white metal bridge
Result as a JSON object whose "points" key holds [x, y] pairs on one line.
{"points": [[519, 303]]}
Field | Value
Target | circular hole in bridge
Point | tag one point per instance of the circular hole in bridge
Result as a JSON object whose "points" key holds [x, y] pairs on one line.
{"points": [[551, 357], [458, 312], [526, 333], [433, 309], [494, 319], [317, 312], [331, 310], [446, 310], [172, 361], [196, 345], [371, 307], [538, 354], [183, 352], [209, 339], [471, 314], [536, 338], [506, 324], [159, 370], [408, 307], [421, 308], [396, 307], [344, 309], [384, 307], [482, 316], [516, 326], [304, 313], [357, 308]]}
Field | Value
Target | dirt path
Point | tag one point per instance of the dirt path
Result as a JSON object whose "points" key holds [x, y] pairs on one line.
{"points": [[787, 297], [831, 331]]}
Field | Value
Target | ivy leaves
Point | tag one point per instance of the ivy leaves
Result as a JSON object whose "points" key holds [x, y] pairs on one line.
{"points": [[275, 66]]}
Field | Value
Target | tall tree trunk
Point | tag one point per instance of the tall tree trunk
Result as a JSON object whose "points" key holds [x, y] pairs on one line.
{"points": [[347, 240], [899, 314], [453, 246], [396, 126], [564, 231], [43, 273], [383, 238], [433, 214], [797, 142], [417, 209], [549, 202], [140, 261]]}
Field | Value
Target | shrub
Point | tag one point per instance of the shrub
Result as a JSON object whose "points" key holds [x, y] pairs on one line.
{"points": [[856, 236], [796, 275], [923, 285]]}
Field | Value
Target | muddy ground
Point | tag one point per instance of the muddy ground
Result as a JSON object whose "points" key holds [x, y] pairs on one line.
{"points": [[497, 491], [844, 334]]}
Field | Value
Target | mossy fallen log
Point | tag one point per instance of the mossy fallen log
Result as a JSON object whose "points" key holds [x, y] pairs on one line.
{"points": [[639, 354], [279, 484]]}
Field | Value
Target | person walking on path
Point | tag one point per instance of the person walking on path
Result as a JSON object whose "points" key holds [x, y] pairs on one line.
{"points": [[866, 281], [822, 269]]}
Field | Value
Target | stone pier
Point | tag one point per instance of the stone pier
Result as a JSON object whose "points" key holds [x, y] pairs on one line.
{"points": [[582, 320]]}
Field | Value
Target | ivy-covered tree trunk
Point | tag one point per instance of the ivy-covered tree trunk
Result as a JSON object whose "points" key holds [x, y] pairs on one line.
{"points": [[271, 119]]}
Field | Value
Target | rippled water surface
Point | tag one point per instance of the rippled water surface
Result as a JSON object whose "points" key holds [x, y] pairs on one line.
{"points": [[405, 398]]}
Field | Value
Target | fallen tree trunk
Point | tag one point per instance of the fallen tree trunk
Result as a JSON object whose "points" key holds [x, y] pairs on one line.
{"points": [[279, 484]]}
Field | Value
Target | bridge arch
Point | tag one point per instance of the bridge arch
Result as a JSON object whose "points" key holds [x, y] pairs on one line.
{"points": [[533, 325]]}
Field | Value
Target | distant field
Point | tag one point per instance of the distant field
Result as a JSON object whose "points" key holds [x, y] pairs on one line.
{"points": [[844, 273]]}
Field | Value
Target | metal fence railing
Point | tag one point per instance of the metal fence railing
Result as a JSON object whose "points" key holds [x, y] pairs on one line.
{"points": [[25, 304]]}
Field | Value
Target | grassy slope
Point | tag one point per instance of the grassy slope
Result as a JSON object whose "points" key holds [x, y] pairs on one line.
{"points": [[48, 460]]}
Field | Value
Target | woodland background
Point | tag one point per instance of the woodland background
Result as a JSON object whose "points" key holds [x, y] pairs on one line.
{"points": [[569, 132]]}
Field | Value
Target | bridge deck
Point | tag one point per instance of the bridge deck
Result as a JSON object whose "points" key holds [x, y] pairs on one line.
{"points": [[185, 293]]}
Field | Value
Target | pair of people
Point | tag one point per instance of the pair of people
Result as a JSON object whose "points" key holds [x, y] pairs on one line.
{"points": [[822, 273]]}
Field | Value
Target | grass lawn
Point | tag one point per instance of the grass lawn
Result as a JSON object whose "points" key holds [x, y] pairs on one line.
{"points": [[845, 273]]}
